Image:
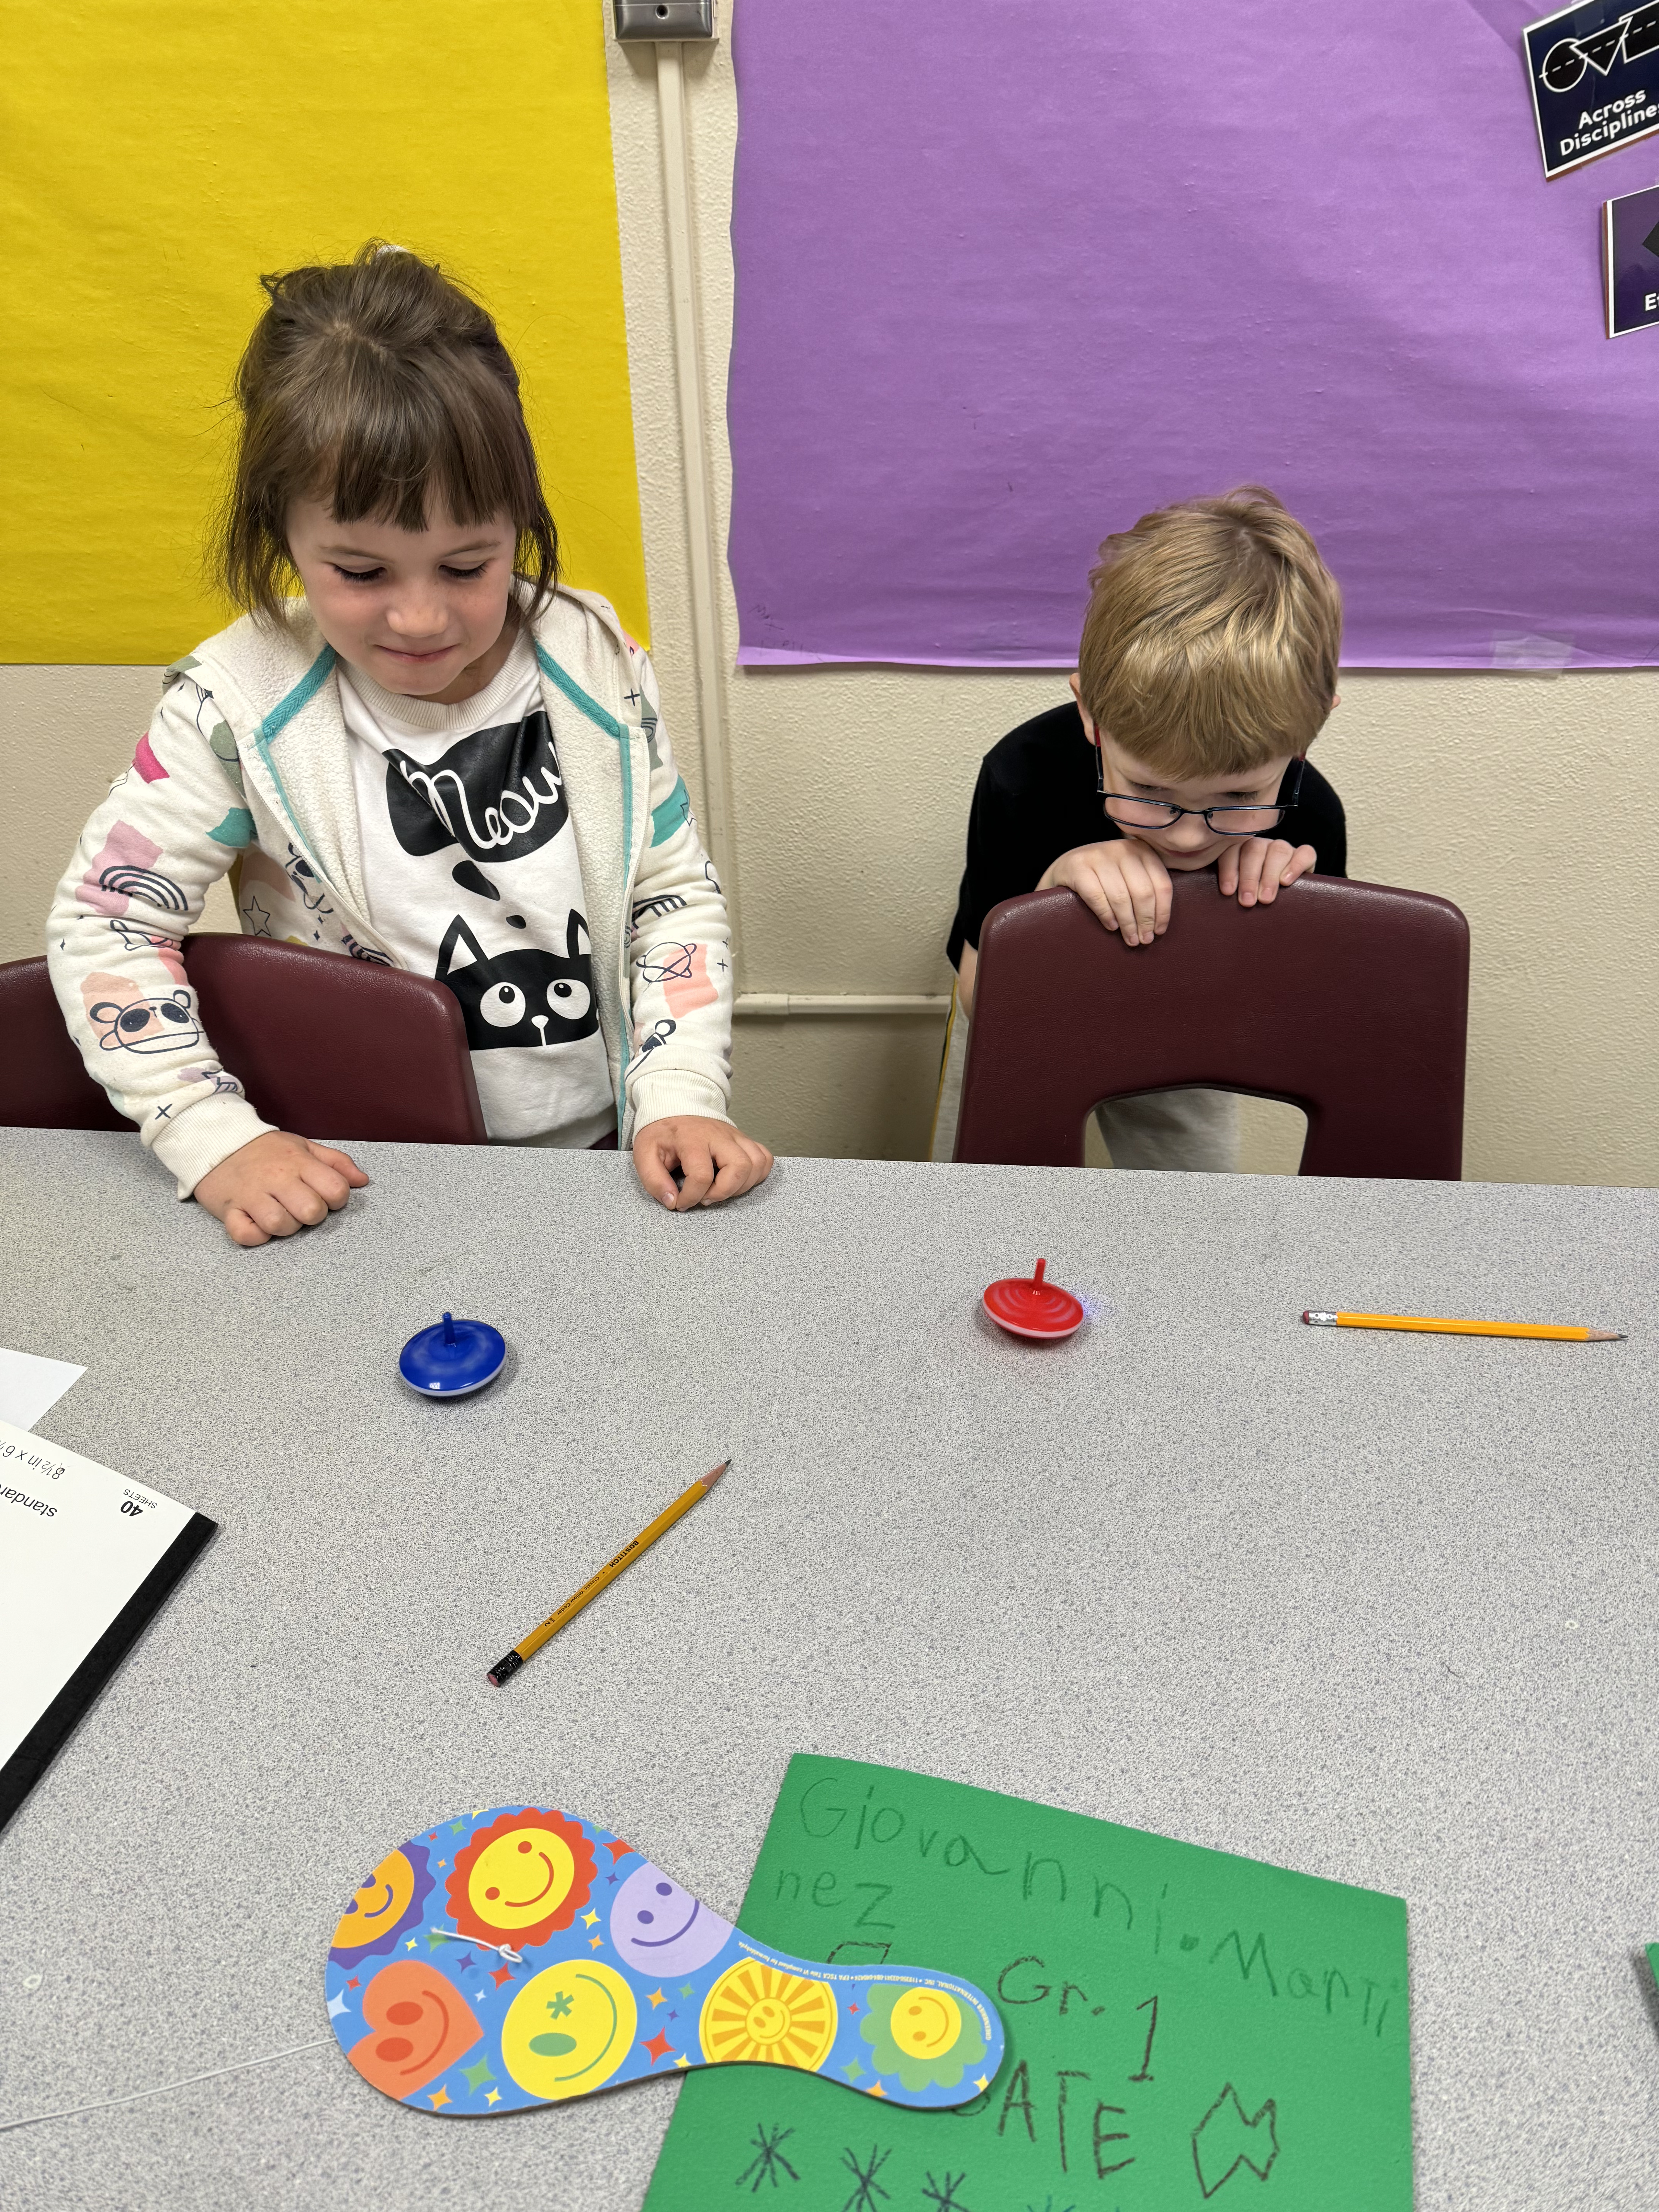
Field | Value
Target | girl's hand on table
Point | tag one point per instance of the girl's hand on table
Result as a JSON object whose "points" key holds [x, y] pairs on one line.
{"points": [[716, 1160], [276, 1184]]}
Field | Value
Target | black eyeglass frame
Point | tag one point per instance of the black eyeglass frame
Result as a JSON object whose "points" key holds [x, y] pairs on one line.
{"points": [[1279, 809]]}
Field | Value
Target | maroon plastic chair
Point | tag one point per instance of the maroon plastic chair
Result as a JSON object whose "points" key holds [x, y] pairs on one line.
{"points": [[322, 1045], [43, 1084], [1350, 1000]]}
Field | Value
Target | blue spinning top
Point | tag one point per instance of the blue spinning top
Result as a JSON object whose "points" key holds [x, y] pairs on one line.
{"points": [[453, 1357]]}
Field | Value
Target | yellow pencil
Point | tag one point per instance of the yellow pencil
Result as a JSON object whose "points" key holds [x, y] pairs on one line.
{"points": [[1566, 1335], [504, 1669]]}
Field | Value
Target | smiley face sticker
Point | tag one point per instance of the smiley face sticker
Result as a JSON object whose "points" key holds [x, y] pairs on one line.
{"points": [[925, 2035], [522, 1877], [756, 2012], [659, 1929], [931, 2025], [383, 1907], [568, 2030], [418, 2024]]}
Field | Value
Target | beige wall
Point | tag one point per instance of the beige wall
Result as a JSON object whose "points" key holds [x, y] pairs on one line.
{"points": [[1524, 798]]}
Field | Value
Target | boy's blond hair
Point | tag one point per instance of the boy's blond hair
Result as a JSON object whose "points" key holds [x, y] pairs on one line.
{"points": [[1213, 635]]}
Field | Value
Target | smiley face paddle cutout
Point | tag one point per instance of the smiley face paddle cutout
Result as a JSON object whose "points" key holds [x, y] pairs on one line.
{"points": [[521, 1956]]}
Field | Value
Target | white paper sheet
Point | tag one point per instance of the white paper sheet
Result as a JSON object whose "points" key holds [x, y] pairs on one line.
{"points": [[76, 1541], [30, 1386]]}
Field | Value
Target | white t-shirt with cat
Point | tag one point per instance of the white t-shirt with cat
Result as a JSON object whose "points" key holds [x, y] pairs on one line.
{"points": [[470, 868]]}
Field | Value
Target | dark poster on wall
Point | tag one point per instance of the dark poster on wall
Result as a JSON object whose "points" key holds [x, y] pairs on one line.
{"points": [[1595, 76], [1630, 261]]}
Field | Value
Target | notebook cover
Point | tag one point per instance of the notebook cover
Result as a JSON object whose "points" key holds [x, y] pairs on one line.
{"points": [[65, 1714]]}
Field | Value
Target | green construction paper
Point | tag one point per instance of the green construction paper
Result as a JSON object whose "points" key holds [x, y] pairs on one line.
{"points": [[1653, 1963], [1183, 2026]]}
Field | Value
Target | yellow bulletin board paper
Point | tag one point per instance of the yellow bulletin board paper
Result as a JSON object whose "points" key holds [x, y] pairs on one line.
{"points": [[160, 155]]}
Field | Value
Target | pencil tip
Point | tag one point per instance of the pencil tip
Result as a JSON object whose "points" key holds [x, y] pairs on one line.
{"points": [[715, 1474], [1606, 1335]]}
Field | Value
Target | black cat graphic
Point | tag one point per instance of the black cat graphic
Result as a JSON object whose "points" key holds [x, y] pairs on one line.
{"points": [[497, 794], [523, 996]]}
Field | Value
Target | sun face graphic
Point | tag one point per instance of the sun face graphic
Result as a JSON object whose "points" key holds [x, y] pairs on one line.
{"points": [[384, 1906], [758, 2012], [927, 2037], [520, 1878]]}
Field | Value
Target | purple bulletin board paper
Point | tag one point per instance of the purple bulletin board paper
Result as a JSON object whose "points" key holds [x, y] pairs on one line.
{"points": [[1008, 277]]}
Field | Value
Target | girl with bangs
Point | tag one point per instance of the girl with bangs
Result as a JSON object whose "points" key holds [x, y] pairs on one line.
{"points": [[433, 755]]}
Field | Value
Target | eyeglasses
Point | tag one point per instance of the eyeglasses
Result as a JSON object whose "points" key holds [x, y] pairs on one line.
{"points": [[1133, 813]]}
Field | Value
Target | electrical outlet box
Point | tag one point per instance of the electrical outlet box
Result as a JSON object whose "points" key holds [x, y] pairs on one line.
{"points": [[665, 18]]}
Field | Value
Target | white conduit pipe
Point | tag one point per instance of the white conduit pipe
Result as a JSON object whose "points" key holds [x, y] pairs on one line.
{"points": [[703, 555], [702, 548], [779, 1006]]}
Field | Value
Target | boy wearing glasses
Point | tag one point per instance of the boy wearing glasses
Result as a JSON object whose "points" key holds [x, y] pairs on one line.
{"points": [[1206, 669]]}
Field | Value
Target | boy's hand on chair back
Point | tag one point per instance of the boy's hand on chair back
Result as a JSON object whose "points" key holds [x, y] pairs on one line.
{"points": [[1254, 869], [276, 1184], [1124, 885]]}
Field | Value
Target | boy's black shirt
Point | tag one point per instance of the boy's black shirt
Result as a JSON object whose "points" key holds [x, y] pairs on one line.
{"points": [[1036, 798]]}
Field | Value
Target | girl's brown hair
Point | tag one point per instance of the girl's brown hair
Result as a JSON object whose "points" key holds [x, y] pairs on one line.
{"points": [[1213, 635], [380, 388]]}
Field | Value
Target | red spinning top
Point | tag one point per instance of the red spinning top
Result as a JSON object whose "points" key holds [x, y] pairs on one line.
{"points": [[1027, 1306]]}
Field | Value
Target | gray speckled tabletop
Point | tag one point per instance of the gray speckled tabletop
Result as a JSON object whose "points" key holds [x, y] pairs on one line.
{"points": [[1378, 1606]]}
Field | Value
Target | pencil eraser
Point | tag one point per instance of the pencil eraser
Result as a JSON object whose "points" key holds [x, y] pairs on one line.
{"points": [[504, 1669]]}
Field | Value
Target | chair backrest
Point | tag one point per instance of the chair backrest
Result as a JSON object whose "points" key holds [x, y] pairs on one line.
{"points": [[322, 1045], [1350, 1000], [43, 1084]]}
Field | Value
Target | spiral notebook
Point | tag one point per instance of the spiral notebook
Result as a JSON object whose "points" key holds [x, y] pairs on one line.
{"points": [[88, 1557]]}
